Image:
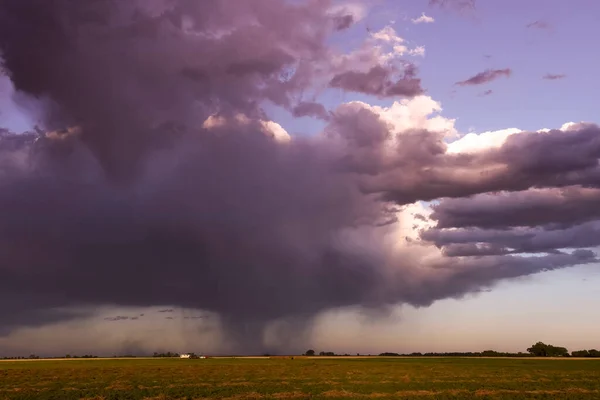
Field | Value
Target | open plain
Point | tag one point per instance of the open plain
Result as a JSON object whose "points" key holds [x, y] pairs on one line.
{"points": [[301, 378]]}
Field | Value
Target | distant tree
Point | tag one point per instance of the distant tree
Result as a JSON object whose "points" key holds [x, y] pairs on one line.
{"points": [[327, 353], [581, 353], [490, 353], [586, 353], [310, 352], [389, 354], [541, 349]]}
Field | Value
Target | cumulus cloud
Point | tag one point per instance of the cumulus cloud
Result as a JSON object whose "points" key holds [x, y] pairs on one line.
{"points": [[387, 34], [485, 76], [417, 51], [174, 187], [423, 19]]}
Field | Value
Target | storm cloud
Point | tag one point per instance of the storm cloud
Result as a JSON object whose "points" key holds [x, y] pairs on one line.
{"points": [[159, 179]]}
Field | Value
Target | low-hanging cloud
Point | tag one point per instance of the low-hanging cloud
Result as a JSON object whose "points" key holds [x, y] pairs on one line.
{"points": [[173, 187]]}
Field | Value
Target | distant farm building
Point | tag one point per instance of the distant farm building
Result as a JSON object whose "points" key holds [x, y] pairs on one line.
{"points": [[190, 355]]}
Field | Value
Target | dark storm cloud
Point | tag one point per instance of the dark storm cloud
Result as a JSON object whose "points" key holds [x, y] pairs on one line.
{"points": [[145, 203], [557, 207], [147, 54], [485, 76], [526, 160], [477, 241], [379, 81]]}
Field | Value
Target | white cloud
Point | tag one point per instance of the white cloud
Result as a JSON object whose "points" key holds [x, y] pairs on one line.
{"points": [[472, 142], [276, 130], [416, 113], [268, 127], [417, 51], [387, 34], [423, 19]]}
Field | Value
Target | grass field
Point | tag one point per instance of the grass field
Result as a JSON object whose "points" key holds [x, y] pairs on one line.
{"points": [[334, 378]]}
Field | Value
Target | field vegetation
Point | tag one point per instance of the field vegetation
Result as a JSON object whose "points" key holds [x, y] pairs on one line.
{"points": [[301, 378]]}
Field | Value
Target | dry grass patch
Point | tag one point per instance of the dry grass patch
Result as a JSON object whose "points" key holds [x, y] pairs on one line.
{"points": [[338, 393], [249, 395], [290, 395], [493, 392]]}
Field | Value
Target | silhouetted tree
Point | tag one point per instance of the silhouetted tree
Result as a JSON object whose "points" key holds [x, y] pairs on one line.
{"points": [[586, 353], [541, 349], [310, 352]]}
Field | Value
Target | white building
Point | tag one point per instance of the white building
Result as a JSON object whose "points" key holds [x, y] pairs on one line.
{"points": [[184, 356]]}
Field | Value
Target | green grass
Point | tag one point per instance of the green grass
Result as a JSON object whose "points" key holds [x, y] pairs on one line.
{"points": [[335, 378]]}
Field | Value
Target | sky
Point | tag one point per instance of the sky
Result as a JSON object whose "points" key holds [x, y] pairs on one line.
{"points": [[424, 179]]}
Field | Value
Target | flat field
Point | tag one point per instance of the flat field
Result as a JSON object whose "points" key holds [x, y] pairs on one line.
{"points": [[301, 378]]}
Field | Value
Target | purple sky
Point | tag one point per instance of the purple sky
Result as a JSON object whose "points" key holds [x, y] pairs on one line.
{"points": [[475, 78]]}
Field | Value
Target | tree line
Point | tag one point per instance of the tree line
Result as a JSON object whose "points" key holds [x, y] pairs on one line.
{"points": [[538, 349]]}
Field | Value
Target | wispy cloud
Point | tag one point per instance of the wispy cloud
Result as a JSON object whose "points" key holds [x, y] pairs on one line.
{"points": [[486, 76], [117, 318], [458, 4], [539, 24], [423, 19], [487, 92], [553, 77]]}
